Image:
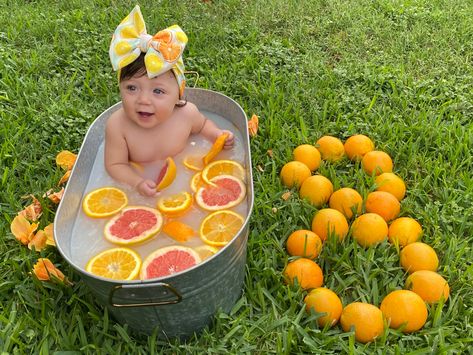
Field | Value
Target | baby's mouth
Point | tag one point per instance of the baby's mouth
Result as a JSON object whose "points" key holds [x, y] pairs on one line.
{"points": [[145, 114]]}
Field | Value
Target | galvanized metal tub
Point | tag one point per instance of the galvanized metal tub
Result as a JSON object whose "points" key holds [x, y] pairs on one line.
{"points": [[185, 302]]}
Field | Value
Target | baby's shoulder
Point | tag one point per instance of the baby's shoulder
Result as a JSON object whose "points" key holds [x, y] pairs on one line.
{"points": [[189, 109], [115, 121]]}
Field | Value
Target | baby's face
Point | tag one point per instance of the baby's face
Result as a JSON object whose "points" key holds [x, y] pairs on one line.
{"points": [[148, 102]]}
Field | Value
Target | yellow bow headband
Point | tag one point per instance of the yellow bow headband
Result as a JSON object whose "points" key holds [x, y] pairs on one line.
{"points": [[163, 50]]}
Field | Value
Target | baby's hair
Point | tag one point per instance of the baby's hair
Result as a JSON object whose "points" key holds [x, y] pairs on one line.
{"points": [[137, 67]]}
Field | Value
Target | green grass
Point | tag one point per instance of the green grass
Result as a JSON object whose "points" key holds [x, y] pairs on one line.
{"points": [[398, 71]]}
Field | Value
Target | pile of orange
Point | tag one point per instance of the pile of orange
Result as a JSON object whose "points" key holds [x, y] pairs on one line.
{"points": [[370, 221]]}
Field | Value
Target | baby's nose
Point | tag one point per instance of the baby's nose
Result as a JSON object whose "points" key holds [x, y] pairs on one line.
{"points": [[144, 97]]}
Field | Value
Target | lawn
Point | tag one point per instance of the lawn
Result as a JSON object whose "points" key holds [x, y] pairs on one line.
{"points": [[400, 72]]}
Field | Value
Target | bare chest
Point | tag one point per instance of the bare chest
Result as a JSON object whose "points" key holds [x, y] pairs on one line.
{"points": [[156, 144]]}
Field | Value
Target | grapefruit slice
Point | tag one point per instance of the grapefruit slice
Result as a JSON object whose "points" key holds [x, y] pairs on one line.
{"points": [[175, 205], [223, 167], [226, 191], [116, 264], [104, 202], [166, 175], [168, 261], [178, 231], [133, 225], [206, 251], [218, 228], [216, 148]]}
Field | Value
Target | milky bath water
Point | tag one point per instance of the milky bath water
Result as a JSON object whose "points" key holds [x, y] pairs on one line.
{"points": [[87, 238]]}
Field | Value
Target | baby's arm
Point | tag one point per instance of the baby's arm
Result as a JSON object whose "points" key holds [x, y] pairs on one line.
{"points": [[209, 129], [116, 160]]}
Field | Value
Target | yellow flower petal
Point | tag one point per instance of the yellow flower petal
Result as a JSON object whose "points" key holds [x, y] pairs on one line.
{"points": [[49, 231], [33, 211], [22, 229], [65, 177], [38, 241]]}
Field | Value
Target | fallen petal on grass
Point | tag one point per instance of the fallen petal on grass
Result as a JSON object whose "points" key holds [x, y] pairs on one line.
{"points": [[33, 211], [55, 197], [66, 159], [65, 178], [22, 229], [45, 270], [285, 196], [49, 231], [253, 125], [38, 241]]}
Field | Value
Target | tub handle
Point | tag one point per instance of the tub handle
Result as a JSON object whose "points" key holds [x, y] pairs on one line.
{"points": [[146, 304]]}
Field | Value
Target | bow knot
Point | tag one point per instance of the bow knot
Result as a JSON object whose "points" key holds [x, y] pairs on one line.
{"points": [[163, 50]]}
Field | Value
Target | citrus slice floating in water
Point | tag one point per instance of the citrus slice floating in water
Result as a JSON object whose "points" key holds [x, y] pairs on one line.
{"points": [[196, 181], [133, 225], [116, 264], [206, 251], [175, 205], [226, 191], [223, 167], [219, 228], [168, 261], [166, 175], [193, 162], [178, 231], [216, 148], [104, 202]]}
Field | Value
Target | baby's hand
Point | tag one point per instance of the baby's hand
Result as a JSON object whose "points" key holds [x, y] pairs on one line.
{"points": [[229, 141], [147, 188]]}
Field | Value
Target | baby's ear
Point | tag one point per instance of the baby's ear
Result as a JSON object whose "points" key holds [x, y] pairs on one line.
{"points": [[181, 103]]}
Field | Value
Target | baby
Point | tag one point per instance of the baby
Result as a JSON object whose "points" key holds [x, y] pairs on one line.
{"points": [[154, 122]]}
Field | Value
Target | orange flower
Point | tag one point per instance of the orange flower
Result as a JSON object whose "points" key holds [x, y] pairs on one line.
{"points": [[38, 241], [45, 270], [33, 211], [49, 231], [65, 177], [22, 229], [65, 159], [253, 125], [55, 197]]}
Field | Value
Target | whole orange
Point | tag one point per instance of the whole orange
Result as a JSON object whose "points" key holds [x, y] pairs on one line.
{"points": [[357, 146], [323, 300], [366, 318], [404, 308], [391, 183], [307, 154], [419, 256], [346, 200], [429, 285], [307, 272], [331, 148], [404, 230], [384, 204], [304, 243], [294, 173], [316, 189], [328, 221], [377, 162], [369, 229]]}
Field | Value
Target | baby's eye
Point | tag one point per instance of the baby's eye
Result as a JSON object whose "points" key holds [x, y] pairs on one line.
{"points": [[131, 87], [158, 91]]}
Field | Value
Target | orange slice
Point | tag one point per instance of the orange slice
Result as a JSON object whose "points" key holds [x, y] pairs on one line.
{"points": [[178, 231], [197, 182], [216, 148], [206, 251], [193, 162], [116, 264], [223, 167], [167, 175], [104, 202], [175, 205], [218, 228]]}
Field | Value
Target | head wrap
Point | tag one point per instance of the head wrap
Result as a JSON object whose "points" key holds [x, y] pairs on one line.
{"points": [[163, 50]]}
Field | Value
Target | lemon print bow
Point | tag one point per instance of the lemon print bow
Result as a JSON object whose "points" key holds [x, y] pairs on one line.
{"points": [[163, 50]]}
